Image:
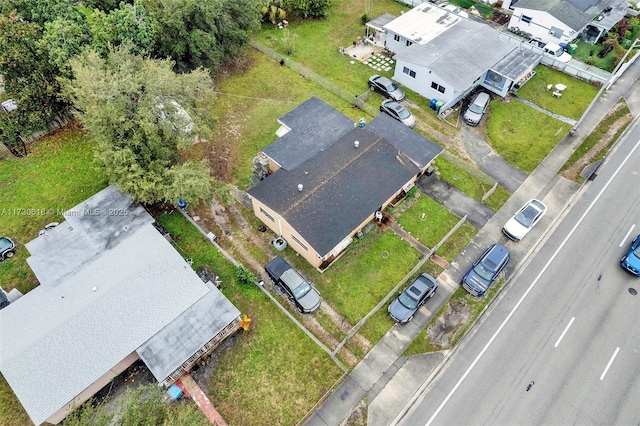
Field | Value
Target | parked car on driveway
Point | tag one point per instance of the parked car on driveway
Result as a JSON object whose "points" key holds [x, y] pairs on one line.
{"points": [[386, 87], [524, 219], [404, 307], [556, 52], [306, 298], [631, 260], [7, 248], [486, 269], [397, 111], [476, 109]]}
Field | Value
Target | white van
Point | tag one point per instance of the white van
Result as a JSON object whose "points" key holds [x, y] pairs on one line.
{"points": [[557, 52]]}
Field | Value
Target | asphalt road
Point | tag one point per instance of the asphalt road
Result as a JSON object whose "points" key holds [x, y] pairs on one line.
{"points": [[562, 343]]}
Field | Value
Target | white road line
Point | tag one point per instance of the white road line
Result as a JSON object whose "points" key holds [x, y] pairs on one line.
{"points": [[564, 332], [626, 236], [526, 293], [609, 364]]}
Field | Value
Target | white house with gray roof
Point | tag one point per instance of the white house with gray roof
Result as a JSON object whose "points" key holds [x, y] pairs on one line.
{"points": [[450, 56], [112, 290], [562, 21]]}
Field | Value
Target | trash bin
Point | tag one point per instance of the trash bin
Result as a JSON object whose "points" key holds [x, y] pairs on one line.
{"points": [[433, 103], [572, 48], [439, 105], [563, 45]]}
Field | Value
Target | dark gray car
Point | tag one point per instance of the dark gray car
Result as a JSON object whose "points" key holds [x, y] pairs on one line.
{"points": [[306, 298], [486, 269], [386, 87], [404, 307]]}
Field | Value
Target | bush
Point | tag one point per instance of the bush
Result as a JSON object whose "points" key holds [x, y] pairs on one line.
{"points": [[245, 276]]}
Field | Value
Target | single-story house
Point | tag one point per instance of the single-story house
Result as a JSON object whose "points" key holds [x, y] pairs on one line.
{"points": [[450, 56], [112, 290], [329, 177], [562, 21]]}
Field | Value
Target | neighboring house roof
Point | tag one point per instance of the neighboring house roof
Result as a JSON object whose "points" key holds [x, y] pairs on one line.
{"points": [[379, 22], [574, 13], [109, 282], [516, 63], [342, 185], [423, 23], [461, 55], [308, 134]]}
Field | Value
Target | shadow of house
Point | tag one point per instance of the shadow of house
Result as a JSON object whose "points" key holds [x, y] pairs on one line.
{"points": [[112, 290], [327, 177]]}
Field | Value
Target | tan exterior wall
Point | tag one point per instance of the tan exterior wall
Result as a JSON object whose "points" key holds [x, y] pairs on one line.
{"points": [[59, 415]]}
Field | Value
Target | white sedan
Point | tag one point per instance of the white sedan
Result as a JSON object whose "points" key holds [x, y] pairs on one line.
{"points": [[524, 219]]}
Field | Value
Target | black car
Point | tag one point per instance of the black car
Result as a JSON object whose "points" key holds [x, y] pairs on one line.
{"points": [[306, 298], [397, 111], [486, 269], [7, 248], [386, 87], [404, 307]]}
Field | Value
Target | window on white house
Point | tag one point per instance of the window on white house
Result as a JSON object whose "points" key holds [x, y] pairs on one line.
{"points": [[409, 43], [526, 19], [436, 86], [410, 73], [396, 37]]}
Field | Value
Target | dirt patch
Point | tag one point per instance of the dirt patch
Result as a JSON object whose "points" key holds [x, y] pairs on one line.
{"points": [[440, 333], [500, 18], [576, 168], [358, 416]]}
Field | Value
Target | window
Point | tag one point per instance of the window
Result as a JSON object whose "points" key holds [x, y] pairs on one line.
{"points": [[396, 37], [409, 43], [299, 242], [436, 86], [409, 72], [263, 211], [526, 19]]}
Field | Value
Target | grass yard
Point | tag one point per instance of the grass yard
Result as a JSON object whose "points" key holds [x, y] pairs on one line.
{"points": [[370, 268], [588, 53], [574, 101], [427, 221], [522, 135], [58, 174], [473, 183], [259, 380]]}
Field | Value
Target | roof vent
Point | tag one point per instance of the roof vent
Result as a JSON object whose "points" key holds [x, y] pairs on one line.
{"points": [[300, 187], [356, 143], [125, 228], [94, 289]]}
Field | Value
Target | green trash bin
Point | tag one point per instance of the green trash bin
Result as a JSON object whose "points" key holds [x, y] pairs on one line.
{"points": [[572, 48], [439, 105]]}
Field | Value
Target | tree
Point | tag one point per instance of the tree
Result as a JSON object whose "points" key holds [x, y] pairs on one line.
{"points": [[126, 24], [63, 39], [202, 34], [131, 106], [30, 78]]}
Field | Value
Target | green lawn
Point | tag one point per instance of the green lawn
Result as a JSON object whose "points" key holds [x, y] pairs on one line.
{"points": [[252, 375], [58, 174], [574, 101], [522, 135], [588, 53]]}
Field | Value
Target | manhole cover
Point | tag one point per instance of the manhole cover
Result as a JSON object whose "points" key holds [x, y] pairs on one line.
{"points": [[633, 291]]}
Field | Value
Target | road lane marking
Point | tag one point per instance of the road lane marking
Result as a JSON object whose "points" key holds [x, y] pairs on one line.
{"points": [[626, 236], [564, 332], [609, 364], [526, 293]]}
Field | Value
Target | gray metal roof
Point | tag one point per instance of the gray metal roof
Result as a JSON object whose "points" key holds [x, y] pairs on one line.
{"points": [[314, 126], [380, 21], [517, 62], [126, 287], [186, 334], [460, 55], [574, 13], [342, 186]]}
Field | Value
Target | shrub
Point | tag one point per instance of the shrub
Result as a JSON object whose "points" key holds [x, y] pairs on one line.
{"points": [[245, 276]]}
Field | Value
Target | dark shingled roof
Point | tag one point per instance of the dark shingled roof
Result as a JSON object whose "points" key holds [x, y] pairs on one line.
{"points": [[314, 127], [342, 186], [412, 144], [574, 13]]}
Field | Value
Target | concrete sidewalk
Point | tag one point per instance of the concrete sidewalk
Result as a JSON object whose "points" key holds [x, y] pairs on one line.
{"points": [[388, 379]]}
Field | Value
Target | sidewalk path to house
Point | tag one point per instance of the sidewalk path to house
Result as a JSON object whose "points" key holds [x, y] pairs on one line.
{"points": [[383, 371]]}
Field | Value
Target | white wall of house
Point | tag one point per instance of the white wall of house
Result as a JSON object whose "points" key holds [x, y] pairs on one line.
{"points": [[397, 43], [541, 24], [421, 80]]}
